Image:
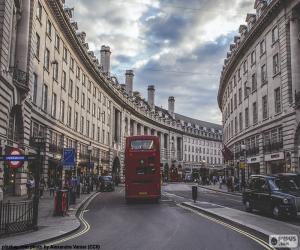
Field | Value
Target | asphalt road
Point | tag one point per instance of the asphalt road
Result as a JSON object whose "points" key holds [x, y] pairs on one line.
{"points": [[113, 224], [228, 200]]}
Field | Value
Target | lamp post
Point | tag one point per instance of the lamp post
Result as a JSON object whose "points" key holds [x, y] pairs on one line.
{"points": [[39, 143], [90, 149], [243, 148]]}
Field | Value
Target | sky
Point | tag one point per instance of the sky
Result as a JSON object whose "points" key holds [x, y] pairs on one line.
{"points": [[177, 45]]}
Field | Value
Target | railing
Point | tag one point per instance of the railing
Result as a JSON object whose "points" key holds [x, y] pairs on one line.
{"points": [[21, 79], [276, 146], [16, 217]]}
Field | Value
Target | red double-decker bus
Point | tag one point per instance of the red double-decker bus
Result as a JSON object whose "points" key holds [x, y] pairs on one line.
{"points": [[142, 168]]}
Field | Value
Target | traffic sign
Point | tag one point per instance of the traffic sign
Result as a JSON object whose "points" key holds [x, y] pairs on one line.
{"points": [[69, 157], [14, 162]]}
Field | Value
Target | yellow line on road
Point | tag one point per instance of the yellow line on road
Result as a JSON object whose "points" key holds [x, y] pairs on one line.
{"points": [[85, 229], [256, 239]]}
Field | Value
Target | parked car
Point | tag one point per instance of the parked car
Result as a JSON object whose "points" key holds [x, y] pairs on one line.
{"points": [[276, 195], [106, 183]]}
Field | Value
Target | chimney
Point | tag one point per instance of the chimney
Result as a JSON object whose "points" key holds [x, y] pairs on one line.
{"points": [[171, 104], [105, 58], [151, 92], [129, 81]]}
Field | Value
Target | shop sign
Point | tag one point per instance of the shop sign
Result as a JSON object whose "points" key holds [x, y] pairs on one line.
{"points": [[274, 157], [252, 160], [69, 157]]}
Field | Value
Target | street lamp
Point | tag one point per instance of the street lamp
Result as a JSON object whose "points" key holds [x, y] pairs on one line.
{"points": [[243, 148], [90, 149]]}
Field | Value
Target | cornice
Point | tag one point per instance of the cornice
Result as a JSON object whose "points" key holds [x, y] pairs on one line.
{"points": [[251, 36], [58, 13]]}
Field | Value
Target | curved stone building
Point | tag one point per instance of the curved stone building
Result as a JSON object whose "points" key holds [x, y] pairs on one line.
{"points": [[259, 90], [54, 87]]}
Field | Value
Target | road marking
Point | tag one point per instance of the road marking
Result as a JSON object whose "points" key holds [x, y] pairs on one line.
{"points": [[85, 224], [240, 231]]}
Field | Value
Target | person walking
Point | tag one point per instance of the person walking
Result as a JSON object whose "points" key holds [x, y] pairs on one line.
{"points": [[51, 187], [220, 182], [42, 187]]}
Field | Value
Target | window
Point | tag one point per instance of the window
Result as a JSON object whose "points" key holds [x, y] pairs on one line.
{"points": [[255, 115], [241, 121], [87, 128], [47, 59], [246, 117], [93, 131], [94, 109], [235, 125], [82, 100], [89, 86], [262, 47], [81, 124], [83, 79], [78, 72], [35, 85], [45, 98], [55, 71], [240, 95], [77, 94], [94, 91], [239, 73], [62, 111], [65, 54], [98, 134], [57, 42], [264, 74], [103, 118], [253, 57], [234, 81], [72, 63], [76, 121], [64, 80], [235, 101], [103, 136], [39, 11], [275, 64], [69, 116], [89, 105], [99, 114], [70, 88], [245, 67], [275, 34], [231, 105], [49, 28], [254, 82], [265, 106], [38, 44], [277, 100], [54, 101]]}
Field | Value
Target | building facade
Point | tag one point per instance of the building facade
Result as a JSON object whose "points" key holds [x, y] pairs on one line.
{"points": [[259, 90], [53, 86]]}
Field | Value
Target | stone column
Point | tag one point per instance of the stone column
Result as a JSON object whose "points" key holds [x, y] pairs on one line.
{"points": [[134, 128], [21, 179]]}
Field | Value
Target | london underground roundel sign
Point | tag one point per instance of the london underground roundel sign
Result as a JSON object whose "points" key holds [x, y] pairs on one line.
{"points": [[15, 152]]}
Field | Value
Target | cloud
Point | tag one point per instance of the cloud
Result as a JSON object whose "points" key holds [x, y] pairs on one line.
{"points": [[179, 46]]}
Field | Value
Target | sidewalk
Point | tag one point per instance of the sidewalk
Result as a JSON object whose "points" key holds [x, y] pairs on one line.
{"points": [[259, 224], [49, 226], [217, 189]]}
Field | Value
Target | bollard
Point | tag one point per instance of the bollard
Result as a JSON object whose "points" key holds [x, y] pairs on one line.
{"points": [[194, 193]]}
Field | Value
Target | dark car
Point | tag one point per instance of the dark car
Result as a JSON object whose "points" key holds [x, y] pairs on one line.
{"points": [[106, 183], [273, 194]]}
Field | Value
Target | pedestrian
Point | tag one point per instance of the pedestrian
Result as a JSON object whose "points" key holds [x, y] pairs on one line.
{"points": [[51, 187], [42, 187], [220, 182]]}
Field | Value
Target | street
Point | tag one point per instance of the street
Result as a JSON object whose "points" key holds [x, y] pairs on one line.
{"points": [[183, 192], [113, 224]]}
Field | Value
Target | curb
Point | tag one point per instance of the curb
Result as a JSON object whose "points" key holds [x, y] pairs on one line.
{"points": [[244, 227], [220, 191], [67, 233]]}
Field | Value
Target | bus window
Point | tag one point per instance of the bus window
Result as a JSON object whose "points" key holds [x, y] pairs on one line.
{"points": [[142, 144]]}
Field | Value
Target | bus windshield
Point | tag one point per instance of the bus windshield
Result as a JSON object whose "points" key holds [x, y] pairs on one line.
{"points": [[142, 144]]}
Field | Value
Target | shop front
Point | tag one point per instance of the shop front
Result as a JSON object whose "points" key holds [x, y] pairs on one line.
{"points": [[253, 165], [275, 163]]}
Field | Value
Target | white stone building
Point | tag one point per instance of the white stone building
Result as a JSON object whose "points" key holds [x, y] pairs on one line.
{"points": [[259, 89], [53, 86]]}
